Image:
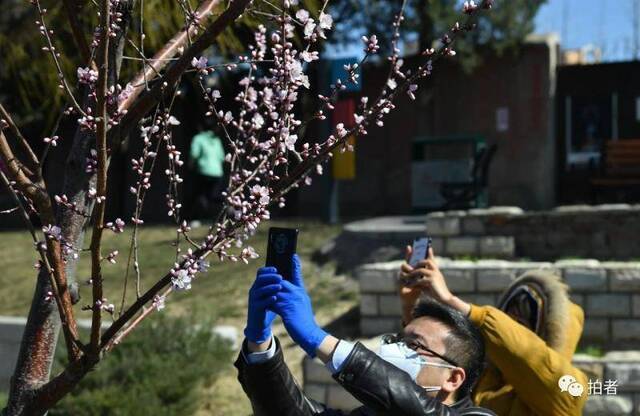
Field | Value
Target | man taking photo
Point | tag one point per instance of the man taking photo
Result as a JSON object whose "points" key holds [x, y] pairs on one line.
{"points": [[429, 369], [530, 339]]}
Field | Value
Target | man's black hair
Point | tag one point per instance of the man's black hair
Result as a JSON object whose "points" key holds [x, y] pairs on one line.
{"points": [[464, 343]]}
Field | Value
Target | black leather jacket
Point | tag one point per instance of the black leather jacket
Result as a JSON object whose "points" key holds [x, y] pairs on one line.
{"points": [[380, 386]]}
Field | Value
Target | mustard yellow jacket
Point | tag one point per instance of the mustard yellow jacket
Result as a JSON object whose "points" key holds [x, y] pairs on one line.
{"points": [[523, 375]]}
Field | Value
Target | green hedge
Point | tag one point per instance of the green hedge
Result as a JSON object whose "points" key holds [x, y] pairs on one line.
{"points": [[158, 370]]}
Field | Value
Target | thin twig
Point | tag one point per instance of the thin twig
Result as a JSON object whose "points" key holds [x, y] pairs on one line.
{"points": [[146, 63], [34, 236], [37, 194], [146, 101], [101, 186], [52, 49], [169, 50], [76, 29], [24, 144]]}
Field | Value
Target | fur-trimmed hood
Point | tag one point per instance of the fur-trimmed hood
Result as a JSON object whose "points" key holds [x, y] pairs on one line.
{"points": [[562, 320]]}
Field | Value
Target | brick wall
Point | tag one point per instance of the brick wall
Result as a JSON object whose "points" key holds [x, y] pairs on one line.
{"points": [[609, 293], [454, 103], [601, 231]]}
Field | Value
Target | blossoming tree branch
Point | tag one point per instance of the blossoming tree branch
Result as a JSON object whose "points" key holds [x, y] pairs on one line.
{"points": [[268, 157]]}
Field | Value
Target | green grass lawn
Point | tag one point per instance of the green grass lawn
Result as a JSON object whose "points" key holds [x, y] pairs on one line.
{"points": [[220, 294], [220, 291]]}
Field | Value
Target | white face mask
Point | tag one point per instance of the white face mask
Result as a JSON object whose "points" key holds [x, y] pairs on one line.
{"points": [[409, 361]]}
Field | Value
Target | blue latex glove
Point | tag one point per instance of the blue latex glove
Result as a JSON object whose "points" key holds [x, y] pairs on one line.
{"points": [[294, 306], [262, 295]]}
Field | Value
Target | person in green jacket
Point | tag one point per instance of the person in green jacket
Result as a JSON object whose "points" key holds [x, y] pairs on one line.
{"points": [[206, 159]]}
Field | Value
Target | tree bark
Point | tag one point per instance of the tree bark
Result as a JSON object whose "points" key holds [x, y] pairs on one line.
{"points": [[39, 340], [31, 391], [37, 348]]}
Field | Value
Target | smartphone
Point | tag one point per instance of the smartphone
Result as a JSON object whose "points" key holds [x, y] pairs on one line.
{"points": [[281, 245], [420, 250]]}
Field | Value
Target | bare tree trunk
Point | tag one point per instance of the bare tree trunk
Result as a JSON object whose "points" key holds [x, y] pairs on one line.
{"points": [[31, 391], [37, 349]]}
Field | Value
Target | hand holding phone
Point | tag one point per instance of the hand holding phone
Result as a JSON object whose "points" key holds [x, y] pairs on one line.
{"points": [[282, 244], [420, 250]]}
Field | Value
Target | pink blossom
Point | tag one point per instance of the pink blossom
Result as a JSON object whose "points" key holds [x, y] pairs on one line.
{"points": [[326, 21], [351, 71], [262, 193], [181, 280], [248, 253], [91, 162], [87, 75], [103, 305], [117, 226], [297, 74], [53, 141], [52, 231], [258, 121], [199, 63], [184, 227], [125, 93], [158, 302], [371, 44], [469, 7], [111, 257], [309, 56], [309, 27], [412, 89], [302, 15], [202, 266]]}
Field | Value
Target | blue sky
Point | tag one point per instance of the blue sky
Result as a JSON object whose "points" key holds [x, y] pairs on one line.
{"points": [[604, 23]]}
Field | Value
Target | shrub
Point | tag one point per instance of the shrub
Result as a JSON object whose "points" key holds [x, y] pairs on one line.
{"points": [[158, 370]]}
